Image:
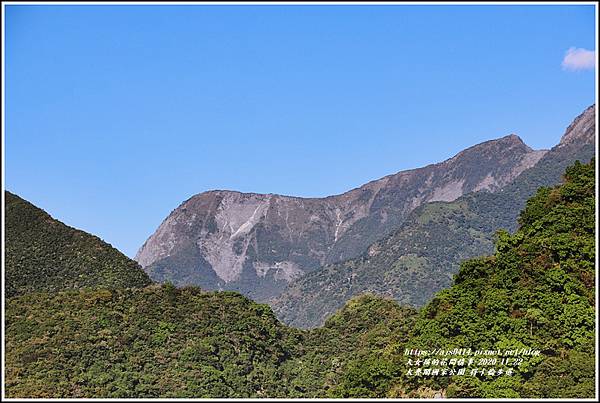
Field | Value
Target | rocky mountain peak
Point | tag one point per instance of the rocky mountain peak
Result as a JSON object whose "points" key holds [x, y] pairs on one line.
{"points": [[582, 129], [501, 147], [258, 243]]}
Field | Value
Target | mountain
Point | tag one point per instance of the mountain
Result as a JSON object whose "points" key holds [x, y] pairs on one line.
{"points": [[536, 292], [421, 257], [43, 254], [258, 243]]}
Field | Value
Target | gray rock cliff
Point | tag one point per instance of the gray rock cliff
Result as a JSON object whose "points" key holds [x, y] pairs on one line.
{"points": [[258, 243]]}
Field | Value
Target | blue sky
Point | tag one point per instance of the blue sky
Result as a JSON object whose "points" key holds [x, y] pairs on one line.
{"points": [[116, 114]]}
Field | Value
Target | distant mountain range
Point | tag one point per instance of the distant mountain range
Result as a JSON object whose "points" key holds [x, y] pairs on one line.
{"points": [[401, 236], [422, 256], [258, 244], [43, 254]]}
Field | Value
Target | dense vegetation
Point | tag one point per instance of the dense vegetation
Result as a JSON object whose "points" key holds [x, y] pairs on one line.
{"points": [[158, 341], [422, 256], [355, 336], [43, 254], [167, 342], [536, 291]]}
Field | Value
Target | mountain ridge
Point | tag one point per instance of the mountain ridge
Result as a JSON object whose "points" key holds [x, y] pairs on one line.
{"points": [[258, 243], [423, 254]]}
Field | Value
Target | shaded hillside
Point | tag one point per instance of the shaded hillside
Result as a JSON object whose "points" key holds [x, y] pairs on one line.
{"points": [[258, 243], [420, 258], [43, 254]]}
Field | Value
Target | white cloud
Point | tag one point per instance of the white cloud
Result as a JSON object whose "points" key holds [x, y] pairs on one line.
{"points": [[579, 59]]}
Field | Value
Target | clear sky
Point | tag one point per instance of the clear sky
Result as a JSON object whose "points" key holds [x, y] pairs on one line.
{"points": [[117, 114]]}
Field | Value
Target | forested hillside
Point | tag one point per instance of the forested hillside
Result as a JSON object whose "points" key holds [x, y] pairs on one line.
{"points": [[155, 342], [360, 332], [536, 292], [43, 254]]}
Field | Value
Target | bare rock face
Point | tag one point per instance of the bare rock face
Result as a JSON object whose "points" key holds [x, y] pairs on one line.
{"points": [[582, 130], [258, 243]]}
